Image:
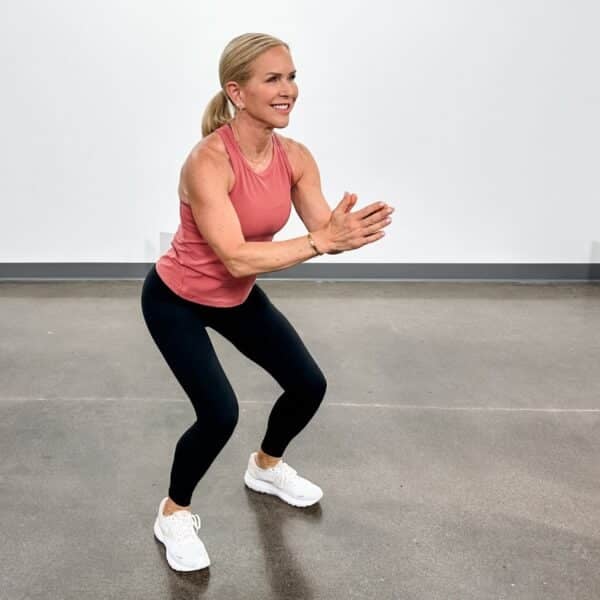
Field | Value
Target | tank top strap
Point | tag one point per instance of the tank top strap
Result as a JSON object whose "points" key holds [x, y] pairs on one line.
{"points": [[280, 151], [226, 134]]}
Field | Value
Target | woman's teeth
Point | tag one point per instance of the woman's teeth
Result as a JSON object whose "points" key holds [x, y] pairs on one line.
{"points": [[281, 106]]}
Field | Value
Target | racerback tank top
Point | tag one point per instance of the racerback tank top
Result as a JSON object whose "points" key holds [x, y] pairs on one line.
{"points": [[263, 204]]}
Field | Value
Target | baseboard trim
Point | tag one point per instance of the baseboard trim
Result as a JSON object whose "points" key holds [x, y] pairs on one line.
{"points": [[575, 272]]}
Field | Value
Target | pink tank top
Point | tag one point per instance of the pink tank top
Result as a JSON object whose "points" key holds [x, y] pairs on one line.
{"points": [[263, 204]]}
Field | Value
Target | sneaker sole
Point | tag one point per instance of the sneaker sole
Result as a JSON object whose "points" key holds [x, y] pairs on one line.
{"points": [[264, 487], [173, 562]]}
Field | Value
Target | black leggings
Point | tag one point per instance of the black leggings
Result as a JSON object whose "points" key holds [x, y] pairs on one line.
{"points": [[258, 330]]}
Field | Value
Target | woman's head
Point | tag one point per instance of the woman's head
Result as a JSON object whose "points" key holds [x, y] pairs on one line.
{"points": [[255, 72]]}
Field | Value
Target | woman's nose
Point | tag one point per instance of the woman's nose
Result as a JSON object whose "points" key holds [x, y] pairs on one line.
{"points": [[288, 90]]}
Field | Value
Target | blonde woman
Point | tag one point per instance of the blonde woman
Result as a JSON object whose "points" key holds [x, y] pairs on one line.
{"points": [[236, 191]]}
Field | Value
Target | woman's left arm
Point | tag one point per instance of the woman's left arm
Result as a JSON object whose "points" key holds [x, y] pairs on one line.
{"points": [[307, 197]]}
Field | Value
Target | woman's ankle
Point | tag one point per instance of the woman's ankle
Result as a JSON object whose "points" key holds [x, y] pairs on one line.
{"points": [[170, 507], [265, 461]]}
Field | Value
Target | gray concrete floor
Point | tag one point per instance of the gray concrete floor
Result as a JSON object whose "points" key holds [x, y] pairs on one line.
{"points": [[457, 447]]}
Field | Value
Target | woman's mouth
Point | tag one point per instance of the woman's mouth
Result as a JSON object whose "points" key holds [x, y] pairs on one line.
{"points": [[282, 108]]}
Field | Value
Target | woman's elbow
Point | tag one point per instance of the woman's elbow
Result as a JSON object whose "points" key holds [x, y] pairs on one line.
{"points": [[237, 267]]}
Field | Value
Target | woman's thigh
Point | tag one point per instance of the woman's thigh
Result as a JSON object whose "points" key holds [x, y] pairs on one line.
{"points": [[178, 327], [261, 332]]}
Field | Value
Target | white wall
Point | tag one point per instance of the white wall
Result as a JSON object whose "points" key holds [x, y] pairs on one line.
{"points": [[477, 119]]}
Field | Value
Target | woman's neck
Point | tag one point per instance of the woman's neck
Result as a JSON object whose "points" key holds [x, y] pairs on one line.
{"points": [[254, 141]]}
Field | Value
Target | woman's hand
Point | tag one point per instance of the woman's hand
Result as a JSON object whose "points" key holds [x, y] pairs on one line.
{"points": [[348, 231]]}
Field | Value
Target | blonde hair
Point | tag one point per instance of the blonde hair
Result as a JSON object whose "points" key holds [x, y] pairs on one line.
{"points": [[235, 65]]}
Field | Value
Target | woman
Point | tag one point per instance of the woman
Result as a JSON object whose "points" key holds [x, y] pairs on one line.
{"points": [[236, 190]]}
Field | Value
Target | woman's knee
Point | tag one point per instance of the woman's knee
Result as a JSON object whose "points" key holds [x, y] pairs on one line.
{"points": [[314, 386], [228, 420], [221, 423]]}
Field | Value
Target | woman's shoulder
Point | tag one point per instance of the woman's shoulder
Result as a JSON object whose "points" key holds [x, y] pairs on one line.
{"points": [[293, 152], [212, 147], [209, 149]]}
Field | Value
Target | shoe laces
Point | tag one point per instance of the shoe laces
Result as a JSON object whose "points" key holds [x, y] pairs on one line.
{"points": [[184, 525], [284, 474]]}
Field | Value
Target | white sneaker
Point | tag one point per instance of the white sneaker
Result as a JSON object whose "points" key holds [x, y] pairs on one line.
{"points": [[283, 481], [178, 533]]}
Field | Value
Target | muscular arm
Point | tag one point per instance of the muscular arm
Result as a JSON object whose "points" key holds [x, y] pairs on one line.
{"points": [[307, 197], [206, 181]]}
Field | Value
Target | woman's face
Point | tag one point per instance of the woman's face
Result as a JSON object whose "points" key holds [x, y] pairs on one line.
{"points": [[272, 82]]}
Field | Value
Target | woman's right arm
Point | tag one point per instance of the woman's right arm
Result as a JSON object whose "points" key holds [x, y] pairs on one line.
{"points": [[205, 179]]}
